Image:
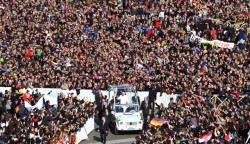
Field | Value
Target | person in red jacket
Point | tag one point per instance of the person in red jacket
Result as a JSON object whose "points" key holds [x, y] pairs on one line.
{"points": [[27, 97], [149, 32], [157, 23], [19, 85], [28, 54], [213, 33], [36, 120]]}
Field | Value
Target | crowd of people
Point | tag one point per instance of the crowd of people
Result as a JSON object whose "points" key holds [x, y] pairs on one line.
{"points": [[147, 43], [188, 119], [50, 124]]}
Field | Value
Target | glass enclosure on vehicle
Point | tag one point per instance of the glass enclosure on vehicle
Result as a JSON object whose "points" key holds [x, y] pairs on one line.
{"points": [[125, 113], [131, 108], [122, 97]]}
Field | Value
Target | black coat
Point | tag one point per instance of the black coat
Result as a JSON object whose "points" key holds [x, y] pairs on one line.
{"points": [[136, 99], [152, 95], [107, 116], [103, 127], [101, 107], [145, 109], [145, 125]]}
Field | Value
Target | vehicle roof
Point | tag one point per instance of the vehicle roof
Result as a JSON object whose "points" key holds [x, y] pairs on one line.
{"points": [[126, 104], [124, 86]]}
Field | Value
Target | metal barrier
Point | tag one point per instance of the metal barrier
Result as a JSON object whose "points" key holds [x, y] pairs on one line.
{"points": [[242, 97], [215, 98]]}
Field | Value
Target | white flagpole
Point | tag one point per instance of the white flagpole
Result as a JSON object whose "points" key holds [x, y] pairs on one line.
{"points": [[248, 137]]}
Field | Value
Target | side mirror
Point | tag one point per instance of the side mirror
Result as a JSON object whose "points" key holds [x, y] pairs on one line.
{"points": [[112, 112]]}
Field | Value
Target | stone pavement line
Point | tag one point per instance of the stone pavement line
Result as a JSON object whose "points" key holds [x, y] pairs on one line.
{"points": [[128, 141]]}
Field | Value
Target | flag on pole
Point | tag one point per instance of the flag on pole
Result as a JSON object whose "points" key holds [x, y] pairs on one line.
{"points": [[157, 122], [248, 137], [205, 138], [228, 137], [170, 139], [159, 60]]}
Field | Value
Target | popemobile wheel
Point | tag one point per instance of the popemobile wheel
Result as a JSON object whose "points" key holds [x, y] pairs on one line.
{"points": [[116, 132]]}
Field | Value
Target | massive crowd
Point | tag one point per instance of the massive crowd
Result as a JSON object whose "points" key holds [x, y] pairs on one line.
{"points": [[188, 119], [50, 124], [92, 44]]}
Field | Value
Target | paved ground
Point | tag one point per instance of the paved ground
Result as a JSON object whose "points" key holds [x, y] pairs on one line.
{"points": [[124, 138]]}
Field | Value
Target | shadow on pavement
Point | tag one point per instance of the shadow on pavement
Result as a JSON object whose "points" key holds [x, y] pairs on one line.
{"points": [[96, 138], [96, 119]]}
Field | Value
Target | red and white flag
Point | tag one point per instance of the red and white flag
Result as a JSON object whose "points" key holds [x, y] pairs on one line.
{"points": [[228, 137], [205, 138], [170, 139]]}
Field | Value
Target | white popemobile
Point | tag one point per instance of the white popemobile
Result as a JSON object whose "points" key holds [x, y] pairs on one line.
{"points": [[126, 115]]}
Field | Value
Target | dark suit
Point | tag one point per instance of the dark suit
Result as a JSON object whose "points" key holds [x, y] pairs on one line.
{"points": [[152, 97], [145, 109], [145, 125], [151, 114], [142, 103], [101, 109], [107, 117], [103, 131], [136, 99], [160, 109]]}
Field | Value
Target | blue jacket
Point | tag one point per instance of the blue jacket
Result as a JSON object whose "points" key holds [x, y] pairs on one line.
{"points": [[242, 35], [21, 111]]}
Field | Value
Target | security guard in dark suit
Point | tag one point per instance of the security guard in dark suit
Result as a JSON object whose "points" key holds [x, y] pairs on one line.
{"points": [[103, 129]]}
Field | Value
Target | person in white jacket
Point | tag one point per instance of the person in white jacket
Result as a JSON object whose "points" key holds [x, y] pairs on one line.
{"points": [[123, 98]]}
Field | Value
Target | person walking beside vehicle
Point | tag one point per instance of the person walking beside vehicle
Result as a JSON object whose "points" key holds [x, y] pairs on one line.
{"points": [[103, 129], [101, 108], [107, 116]]}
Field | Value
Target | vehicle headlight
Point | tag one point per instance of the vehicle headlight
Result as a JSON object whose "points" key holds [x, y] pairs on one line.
{"points": [[121, 123]]}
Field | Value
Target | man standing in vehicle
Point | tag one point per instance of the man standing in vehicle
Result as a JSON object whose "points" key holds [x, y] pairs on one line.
{"points": [[123, 98]]}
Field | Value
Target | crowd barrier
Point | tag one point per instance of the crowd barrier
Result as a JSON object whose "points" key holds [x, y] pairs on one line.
{"points": [[88, 95], [82, 134]]}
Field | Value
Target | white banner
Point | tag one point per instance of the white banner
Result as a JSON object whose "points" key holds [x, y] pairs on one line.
{"points": [[216, 43], [38, 105], [53, 100], [85, 130], [84, 94], [165, 98], [222, 44], [81, 135], [87, 94]]}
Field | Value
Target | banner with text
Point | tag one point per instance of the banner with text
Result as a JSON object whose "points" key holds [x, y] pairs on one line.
{"points": [[217, 43], [222, 44]]}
